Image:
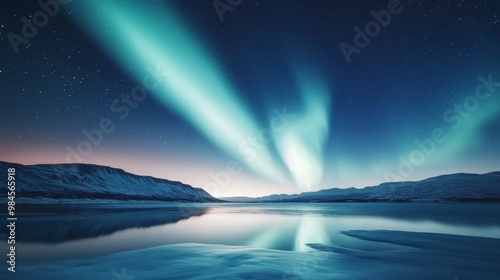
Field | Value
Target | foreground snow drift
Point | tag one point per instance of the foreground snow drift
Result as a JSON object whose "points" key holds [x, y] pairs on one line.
{"points": [[416, 256]]}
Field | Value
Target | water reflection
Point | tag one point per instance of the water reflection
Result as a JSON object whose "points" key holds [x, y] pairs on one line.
{"points": [[87, 231], [61, 223], [311, 230]]}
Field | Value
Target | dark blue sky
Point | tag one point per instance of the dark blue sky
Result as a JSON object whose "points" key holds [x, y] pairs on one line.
{"points": [[405, 108]]}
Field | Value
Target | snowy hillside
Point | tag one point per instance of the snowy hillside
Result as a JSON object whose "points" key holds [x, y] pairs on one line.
{"points": [[454, 187], [85, 182]]}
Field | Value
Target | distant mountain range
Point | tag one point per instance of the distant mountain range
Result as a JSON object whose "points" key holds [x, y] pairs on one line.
{"points": [[94, 183], [87, 182], [454, 187]]}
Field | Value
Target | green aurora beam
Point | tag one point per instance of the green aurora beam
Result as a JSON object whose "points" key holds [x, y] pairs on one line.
{"points": [[194, 86]]}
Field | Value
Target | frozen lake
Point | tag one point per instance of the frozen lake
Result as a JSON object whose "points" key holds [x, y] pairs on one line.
{"points": [[257, 241], [61, 232]]}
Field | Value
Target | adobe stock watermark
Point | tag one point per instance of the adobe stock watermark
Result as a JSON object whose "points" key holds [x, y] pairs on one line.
{"points": [[250, 149], [455, 116], [123, 106], [40, 19], [372, 29], [222, 6]]}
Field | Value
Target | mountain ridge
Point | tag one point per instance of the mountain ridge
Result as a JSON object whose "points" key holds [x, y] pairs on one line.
{"points": [[95, 183], [448, 187]]}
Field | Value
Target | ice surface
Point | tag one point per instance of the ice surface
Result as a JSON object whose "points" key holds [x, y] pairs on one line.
{"points": [[417, 256]]}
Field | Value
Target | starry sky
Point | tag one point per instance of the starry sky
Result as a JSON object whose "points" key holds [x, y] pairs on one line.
{"points": [[250, 98]]}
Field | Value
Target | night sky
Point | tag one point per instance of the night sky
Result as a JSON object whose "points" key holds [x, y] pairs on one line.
{"points": [[261, 102]]}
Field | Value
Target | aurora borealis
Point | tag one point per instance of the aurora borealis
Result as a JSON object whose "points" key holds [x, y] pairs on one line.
{"points": [[262, 102]]}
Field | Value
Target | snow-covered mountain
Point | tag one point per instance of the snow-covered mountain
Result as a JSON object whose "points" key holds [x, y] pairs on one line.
{"points": [[454, 187], [86, 182]]}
